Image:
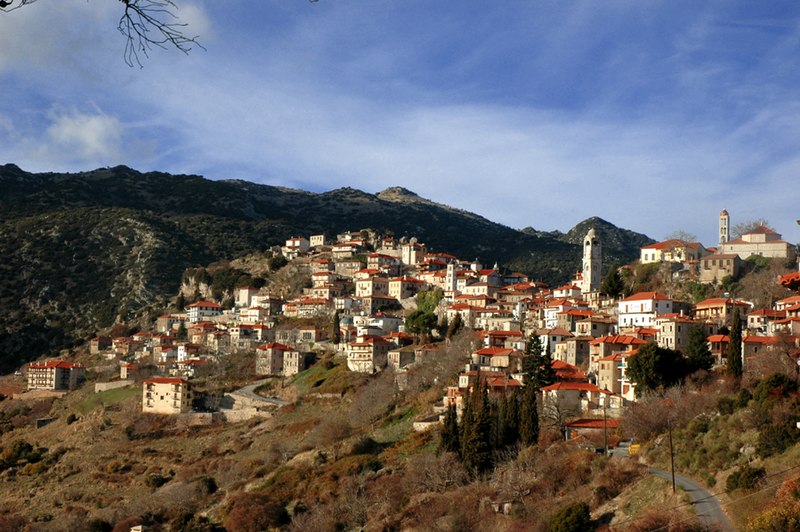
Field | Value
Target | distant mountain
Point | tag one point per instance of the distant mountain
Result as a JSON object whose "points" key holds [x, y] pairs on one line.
{"points": [[82, 250]]}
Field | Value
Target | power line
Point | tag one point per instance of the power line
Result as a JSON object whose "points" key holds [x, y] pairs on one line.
{"points": [[715, 495]]}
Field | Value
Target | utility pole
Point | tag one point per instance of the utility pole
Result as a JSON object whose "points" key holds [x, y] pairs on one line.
{"points": [[605, 427], [671, 455]]}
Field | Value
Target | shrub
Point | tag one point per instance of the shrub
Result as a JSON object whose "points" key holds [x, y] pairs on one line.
{"points": [[745, 477], [208, 485], [571, 518], [777, 438], [255, 512], [156, 480], [776, 385], [743, 399], [72, 418], [726, 405]]}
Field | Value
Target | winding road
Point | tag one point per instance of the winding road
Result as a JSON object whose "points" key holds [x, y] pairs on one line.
{"points": [[706, 506], [249, 392]]}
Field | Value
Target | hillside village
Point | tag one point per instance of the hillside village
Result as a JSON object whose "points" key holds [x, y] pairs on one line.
{"points": [[363, 287], [390, 306]]}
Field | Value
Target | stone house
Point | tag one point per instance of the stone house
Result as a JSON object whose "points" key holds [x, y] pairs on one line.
{"points": [[166, 395], [367, 354]]}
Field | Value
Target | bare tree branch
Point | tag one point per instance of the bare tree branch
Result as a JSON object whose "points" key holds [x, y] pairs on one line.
{"points": [[145, 24], [149, 23]]}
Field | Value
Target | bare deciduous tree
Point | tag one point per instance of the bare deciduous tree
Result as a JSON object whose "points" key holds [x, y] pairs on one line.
{"points": [[144, 24], [745, 227], [680, 234]]}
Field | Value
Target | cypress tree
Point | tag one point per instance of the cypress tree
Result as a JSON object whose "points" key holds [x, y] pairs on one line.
{"points": [[698, 355], [538, 364], [511, 421], [467, 420], [529, 415], [735, 346], [449, 442], [545, 375], [477, 448], [336, 335], [501, 434]]}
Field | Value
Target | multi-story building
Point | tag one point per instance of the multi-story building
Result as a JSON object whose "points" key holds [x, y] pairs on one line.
{"points": [[55, 375], [203, 309], [642, 309], [166, 395]]}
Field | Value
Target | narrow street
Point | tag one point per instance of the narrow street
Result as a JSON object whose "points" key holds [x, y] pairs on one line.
{"points": [[705, 505], [249, 392]]}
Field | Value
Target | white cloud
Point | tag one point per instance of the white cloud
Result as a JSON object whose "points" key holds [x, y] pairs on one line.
{"points": [[86, 137]]}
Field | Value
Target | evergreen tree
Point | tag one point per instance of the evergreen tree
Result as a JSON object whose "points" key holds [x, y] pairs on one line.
{"points": [[735, 346], [528, 415], [336, 334], [467, 420], [533, 352], [501, 405], [613, 285], [182, 332], [545, 375], [698, 355], [537, 365], [511, 419], [654, 367], [454, 326], [180, 302], [449, 437], [476, 448]]}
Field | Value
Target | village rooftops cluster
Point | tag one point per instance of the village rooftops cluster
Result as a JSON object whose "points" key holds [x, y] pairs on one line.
{"points": [[363, 285]]}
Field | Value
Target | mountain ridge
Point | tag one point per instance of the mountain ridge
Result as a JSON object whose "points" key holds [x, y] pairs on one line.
{"points": [[86, 249]]}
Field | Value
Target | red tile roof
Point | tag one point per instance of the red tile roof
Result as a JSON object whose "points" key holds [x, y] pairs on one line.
{"points": [[166, 380], [644, 296], [53, 364], [593, 423]]}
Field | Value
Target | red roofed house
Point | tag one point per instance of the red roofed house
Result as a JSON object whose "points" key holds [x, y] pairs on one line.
{"points": [[54, 375], [786, 303], [673, 331], [761, 241], [367, 354], [758, 321], [269, 358], [573, 398], [405, 287], [203, 309], [567, 372], [609, 345], [593, 430], [672, 251], [720, 309], [611, 374], [718, 345], [166, 395], [642, 308], [790, 280]]}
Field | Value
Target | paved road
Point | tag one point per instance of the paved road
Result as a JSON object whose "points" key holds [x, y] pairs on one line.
{"points": [[248, 391], [705, 505]]}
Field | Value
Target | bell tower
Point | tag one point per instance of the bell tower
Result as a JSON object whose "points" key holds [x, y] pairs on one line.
{"points": [[592, 262], [724, 227]]}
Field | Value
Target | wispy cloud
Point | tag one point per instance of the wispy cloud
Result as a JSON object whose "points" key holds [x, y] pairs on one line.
{"points": [[654, 117], [85, 137]]}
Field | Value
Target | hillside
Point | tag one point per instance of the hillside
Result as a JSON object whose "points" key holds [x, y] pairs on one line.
{"points": [[82, 250]]}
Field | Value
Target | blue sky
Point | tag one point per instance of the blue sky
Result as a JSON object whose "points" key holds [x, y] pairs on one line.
{"points": [[652, 115]]}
